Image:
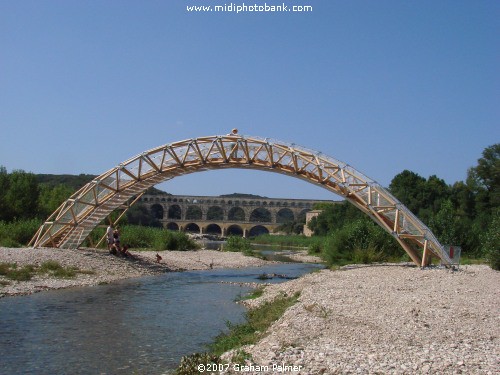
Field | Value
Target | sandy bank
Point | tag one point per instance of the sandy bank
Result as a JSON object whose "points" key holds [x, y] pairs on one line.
{"points": [[387, 320], [107, 268]]}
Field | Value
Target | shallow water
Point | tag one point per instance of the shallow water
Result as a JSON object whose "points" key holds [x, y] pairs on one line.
{"points": [[144, 325]]}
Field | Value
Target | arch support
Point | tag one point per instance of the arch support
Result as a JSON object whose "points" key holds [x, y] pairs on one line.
{"points": [[72, 222]]}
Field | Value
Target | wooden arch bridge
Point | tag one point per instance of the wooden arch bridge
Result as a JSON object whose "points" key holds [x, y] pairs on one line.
{"points": [[123, 185]]}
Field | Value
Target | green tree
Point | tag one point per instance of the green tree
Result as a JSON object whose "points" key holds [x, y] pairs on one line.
{"points": [[484, 181], [445, 224], [491, 241], [5, 212], [334, 216], [409, 188], [139, 214], [22, 195], [463, 200], [51, 198], [487, 170]]}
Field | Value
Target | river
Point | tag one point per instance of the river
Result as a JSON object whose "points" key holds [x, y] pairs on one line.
{"points": [[142, 325]]}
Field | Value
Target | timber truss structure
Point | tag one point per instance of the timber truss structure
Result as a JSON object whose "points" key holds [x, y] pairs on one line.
{"points": [[121, 186]]}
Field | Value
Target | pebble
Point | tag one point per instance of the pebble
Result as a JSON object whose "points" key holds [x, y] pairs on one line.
{"points": [[372, 320]]}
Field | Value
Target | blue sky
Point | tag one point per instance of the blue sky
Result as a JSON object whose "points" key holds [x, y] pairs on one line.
{"points": [[382, 85]]}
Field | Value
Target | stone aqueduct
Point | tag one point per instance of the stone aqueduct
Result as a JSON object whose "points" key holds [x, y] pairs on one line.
{"points": [[223, 216], [71, 223]]}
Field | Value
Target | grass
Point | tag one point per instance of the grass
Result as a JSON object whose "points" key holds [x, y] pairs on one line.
{"points": [[256, 293], [257, 321], [468, 261], [287, 241], [12, 272], [50, 268]]}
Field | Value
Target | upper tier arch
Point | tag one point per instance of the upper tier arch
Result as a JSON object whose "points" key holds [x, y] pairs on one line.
{"points": [[72, 222]]}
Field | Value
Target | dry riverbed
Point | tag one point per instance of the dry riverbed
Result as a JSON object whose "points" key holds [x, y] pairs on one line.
{"points": [[384, 320], [100, 267]]}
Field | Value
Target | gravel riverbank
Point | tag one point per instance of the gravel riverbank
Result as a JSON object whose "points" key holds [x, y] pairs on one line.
{"points": [[106, 268], [385, 320]]}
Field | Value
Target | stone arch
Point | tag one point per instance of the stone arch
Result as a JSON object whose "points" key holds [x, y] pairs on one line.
{"points": [[215, 213], [172, 226], [234, 230], [258, 230], [261, 215], [301, 217], [236, 214], [72, 222], [285, 215], [157, 211], [174, 212], [194, 213], [192, 228], [213, 229]]}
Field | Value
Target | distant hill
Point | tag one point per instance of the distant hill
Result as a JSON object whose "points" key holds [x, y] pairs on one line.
{"points": [[75, 182]]}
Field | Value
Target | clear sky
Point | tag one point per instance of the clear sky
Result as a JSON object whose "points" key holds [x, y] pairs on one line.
{"points": [[381, 85]]}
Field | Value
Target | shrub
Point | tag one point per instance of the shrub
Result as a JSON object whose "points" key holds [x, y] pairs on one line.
{"points": [[141, 237], [314, 249], [155, 238], [359, 242], [18, 233], [491, 242], [235, 243], [367, 255]]}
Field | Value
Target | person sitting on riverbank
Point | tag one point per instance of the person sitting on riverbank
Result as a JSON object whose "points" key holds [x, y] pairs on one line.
{"points": [[124, 252]]}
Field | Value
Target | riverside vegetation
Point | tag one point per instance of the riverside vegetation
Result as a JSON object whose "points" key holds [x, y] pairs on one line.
{"points": [[465, 214], [11, 271], [256, 323]]}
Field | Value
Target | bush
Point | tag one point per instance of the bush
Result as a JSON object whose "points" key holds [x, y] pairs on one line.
{"points": [[155, 238], [140, 237], [18, 233], [367, 255], [235, 243], [314, 249], [491, 242], [359, 242]]}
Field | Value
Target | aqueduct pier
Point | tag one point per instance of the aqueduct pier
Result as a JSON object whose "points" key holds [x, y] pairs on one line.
{"points": [[226, 215]]}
